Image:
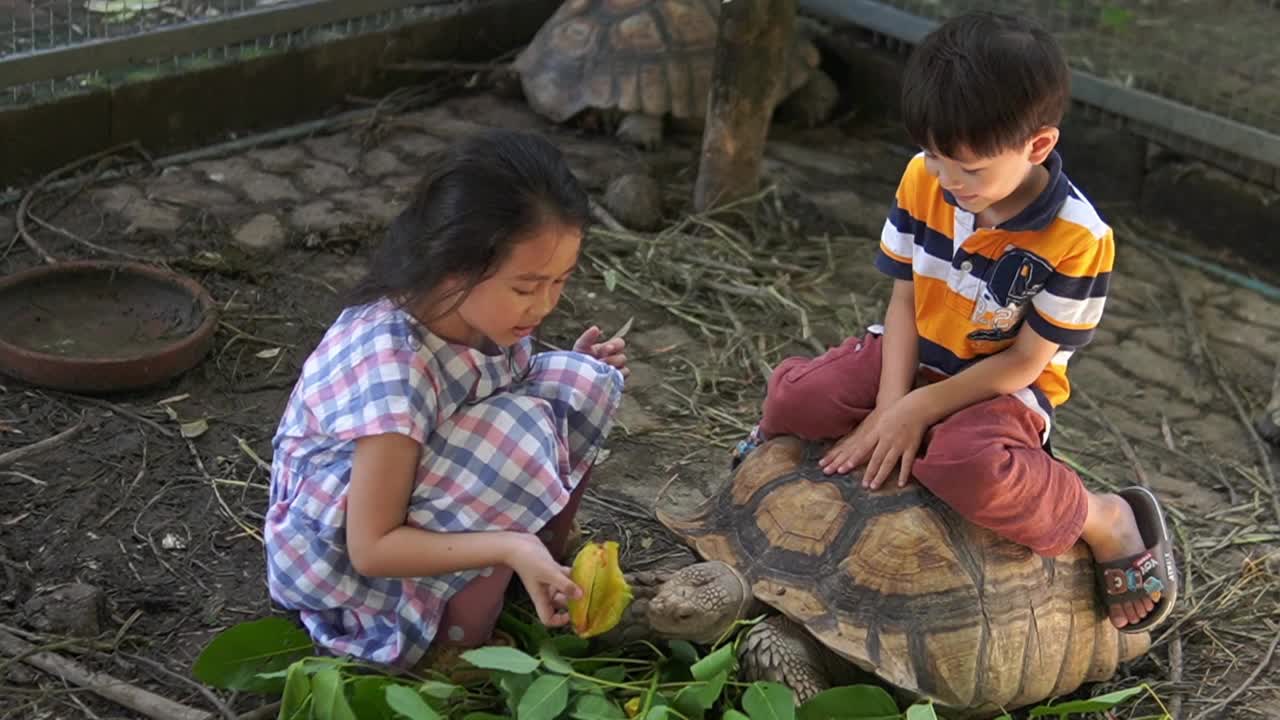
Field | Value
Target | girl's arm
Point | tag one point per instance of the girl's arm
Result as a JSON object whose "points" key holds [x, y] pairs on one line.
{"points": [[901, 348], [381, 545]]}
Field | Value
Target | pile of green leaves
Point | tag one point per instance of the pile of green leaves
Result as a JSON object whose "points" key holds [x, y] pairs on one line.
{"points": [[545, 677]]}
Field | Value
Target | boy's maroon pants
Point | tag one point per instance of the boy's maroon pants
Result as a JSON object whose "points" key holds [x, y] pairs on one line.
{"points": [[986, 461]]}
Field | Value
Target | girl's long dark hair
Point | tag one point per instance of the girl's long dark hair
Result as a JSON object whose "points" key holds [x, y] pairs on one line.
{"points": [[477, 199]]}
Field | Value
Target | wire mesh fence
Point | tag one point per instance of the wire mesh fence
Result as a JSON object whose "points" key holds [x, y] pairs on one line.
{"points": [[32, 27], [1222, 56]]}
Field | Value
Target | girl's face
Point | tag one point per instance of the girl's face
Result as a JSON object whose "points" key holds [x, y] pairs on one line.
{"points": [[513, 300]]}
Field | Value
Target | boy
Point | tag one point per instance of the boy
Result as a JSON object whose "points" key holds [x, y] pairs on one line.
{"points": [[1000, 271]]}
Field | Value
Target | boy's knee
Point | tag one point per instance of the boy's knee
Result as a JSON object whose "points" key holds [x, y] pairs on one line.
{"points": [[788, 406]]}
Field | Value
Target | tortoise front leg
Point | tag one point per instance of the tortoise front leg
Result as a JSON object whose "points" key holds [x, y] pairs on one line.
{"points": [[780, 650]]}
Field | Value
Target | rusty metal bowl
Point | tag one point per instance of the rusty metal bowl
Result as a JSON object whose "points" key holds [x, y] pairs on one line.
{"points": [[98, 327]]}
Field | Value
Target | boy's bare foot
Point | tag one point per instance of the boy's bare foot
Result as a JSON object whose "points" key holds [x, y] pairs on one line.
{"points": [[1111, 532]]}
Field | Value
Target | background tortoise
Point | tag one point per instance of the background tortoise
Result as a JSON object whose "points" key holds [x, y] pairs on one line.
{"points": [[647, 59], [891, 582]]}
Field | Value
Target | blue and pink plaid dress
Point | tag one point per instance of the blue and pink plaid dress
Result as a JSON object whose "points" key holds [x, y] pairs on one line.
{"points": [[505, 438]]}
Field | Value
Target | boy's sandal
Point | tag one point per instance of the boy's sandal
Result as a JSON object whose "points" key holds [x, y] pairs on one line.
{"points": [[1148, 574]]}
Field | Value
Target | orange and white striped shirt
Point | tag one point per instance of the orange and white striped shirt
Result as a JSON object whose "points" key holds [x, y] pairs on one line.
{"points": [[1050, 265]]}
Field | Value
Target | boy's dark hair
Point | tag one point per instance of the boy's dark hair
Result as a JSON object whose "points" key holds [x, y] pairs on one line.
{"points": [[480, 197], [986, 82]]}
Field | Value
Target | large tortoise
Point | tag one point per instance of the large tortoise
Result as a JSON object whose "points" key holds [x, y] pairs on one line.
{"points": [[647, 59], [891, 582]]}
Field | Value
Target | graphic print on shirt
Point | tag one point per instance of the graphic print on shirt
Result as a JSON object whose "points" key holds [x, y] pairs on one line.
{"points": [[1010, 284]]}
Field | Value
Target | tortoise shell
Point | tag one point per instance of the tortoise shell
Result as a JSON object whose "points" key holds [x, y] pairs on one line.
{"points": [[903, 587], [638, 56]]}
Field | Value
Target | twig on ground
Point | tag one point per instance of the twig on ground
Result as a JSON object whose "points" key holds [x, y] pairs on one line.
{"points": [[111, 688], [36, 448], [218, 705], [1244, 686]]}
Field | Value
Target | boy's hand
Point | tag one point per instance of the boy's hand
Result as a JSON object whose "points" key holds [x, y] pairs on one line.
{"points": [[609, 351], [888, 436], [546, 580]]}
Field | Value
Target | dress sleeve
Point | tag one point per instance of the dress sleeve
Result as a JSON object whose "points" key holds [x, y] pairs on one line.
{"points": [[374, 382]]}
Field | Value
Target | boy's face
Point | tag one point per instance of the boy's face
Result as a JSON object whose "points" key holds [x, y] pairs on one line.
{"points": [[983, 183]]}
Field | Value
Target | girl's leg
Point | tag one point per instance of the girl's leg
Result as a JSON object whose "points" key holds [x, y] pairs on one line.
{"points": [[558, 534], [471, 614]]}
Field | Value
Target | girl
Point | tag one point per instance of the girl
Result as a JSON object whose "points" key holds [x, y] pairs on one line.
{"points": [[424, 445]]}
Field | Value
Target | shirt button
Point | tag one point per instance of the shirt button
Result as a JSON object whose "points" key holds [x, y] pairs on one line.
{"points": [[966, 266]]}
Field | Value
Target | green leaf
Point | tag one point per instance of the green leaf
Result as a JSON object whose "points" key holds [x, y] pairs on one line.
{"points": [[484, 716], [410, 704], [328, 701], [683, 651], [851, 702], [571, 646], [694, 700], [921, 711], [552, 660], [507, 659], [658, 712], [611, 673], [610, 279], [546, 698], [297, 691], [513, 686], [235, 656], [721, 660], [1095, 704], [438, 690], [769, 701], [732, 714], [369, 698], [596, 706], [1116, 18]]}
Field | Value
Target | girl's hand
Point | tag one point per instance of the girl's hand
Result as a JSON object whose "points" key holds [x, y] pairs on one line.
{"points": [[609, 351], [546, 580]]}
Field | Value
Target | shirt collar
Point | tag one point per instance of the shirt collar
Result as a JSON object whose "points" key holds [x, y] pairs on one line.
{"points": [[1041, 211]]}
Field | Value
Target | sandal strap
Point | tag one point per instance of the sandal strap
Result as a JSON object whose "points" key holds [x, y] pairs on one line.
{"points": [[1133, 578]]}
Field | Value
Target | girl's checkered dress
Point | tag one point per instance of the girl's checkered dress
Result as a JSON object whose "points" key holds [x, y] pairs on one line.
{"points": [[505, 439]]}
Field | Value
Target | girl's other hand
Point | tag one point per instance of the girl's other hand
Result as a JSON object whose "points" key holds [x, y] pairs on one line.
{"points": [[610, 351]]}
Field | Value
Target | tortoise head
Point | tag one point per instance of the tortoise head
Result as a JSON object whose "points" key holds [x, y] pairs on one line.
{"points": [[700, 602]]}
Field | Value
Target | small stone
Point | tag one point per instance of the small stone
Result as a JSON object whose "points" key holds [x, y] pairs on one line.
{"points": [[183, 188], [258, 186], [321, 176], [346, 275], [141, 213], [371, 202], [338, 149], [261, 235], [77, 609], [380, 162], [417, 144], [319, 216], [281, 159], [636, 201]]}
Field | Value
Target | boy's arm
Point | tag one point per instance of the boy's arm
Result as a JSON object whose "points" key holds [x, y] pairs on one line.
{"points": [[900, 350], [1012, 369]]}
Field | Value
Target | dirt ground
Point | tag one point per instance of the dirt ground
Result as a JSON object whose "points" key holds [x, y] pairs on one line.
{"points": [[167, 529]]}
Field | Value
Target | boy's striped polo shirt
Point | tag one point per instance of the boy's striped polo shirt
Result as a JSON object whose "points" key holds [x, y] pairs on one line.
{"points": [[1050, 265]]}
